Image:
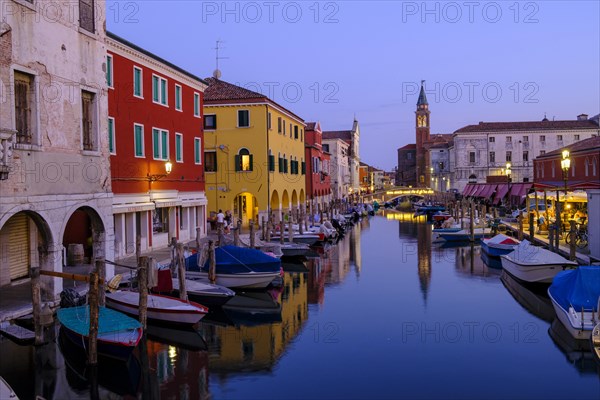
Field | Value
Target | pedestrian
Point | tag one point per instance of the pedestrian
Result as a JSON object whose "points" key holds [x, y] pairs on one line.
{"points": [[220, 220], [228, 221]]}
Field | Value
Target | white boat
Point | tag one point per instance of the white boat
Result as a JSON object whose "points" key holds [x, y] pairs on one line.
{"points": [[160, 308], [465, 235], [250, 280], [6, 392], [575, 295], [307, 238], [596, 340], [534, 264], [205, 292], [499, 245]]}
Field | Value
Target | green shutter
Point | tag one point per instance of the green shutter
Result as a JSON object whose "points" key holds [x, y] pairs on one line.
{"points": [[155, 143], [285, 166], [271, 163], [280, 164], [303, 167], [111, 136], [109, 71], [177, 97], [155, 83], [238, 163], [165, 145], [251, 163], [178, 147], [163, 91], [197, 149], [139, 151], [137, 84], [196, 104]]}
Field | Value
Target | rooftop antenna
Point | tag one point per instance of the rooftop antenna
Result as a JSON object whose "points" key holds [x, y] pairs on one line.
{"points": [[217, 71]]}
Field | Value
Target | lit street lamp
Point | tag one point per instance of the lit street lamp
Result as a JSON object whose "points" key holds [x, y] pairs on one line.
{"points": [[508, 165], [565, 164], [168, 169]]}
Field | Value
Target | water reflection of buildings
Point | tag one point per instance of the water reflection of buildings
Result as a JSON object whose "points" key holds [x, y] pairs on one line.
{"points": [[468, 260], [424, 257], [242, 348], [315, 281]]}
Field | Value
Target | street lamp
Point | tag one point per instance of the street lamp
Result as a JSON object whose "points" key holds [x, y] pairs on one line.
{"points": [[168, 169], [565, 164], [508, 165]]}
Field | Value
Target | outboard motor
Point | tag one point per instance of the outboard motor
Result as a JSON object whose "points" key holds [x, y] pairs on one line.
{"points": [[70, 298]]}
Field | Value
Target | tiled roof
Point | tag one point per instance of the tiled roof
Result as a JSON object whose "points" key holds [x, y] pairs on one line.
{"points": [[344, 135], [220, 90], [592, 143], [411, 146], [310, 126], [528, 126]]}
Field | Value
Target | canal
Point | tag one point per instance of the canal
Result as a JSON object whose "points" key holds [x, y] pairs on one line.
{"points": [[387, 313]]}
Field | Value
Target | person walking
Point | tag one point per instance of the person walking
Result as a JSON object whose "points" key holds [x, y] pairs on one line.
{"points": [[220, 220]]}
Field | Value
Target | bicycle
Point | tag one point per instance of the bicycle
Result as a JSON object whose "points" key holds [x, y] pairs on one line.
{"points": [[581, 237]]}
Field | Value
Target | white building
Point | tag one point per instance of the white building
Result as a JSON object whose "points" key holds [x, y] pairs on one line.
{"points": [[54, 158], [352, 137], [486, 148], [340, 174]]}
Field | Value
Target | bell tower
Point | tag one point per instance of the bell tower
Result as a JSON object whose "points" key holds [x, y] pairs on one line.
{"points": [[422, 137]]}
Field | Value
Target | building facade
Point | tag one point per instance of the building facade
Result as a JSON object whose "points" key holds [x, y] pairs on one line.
{"points": [[155, 118], [254, 154], [439, 156], [55, 194], [406, 175], [338, 167], [352, 137], [484, 149], [318, 179]]}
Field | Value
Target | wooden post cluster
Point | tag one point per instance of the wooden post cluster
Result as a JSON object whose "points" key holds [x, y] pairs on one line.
{"points": [[181, 271], [143, 289], [236, 235], [281, 232], [290, 229], [531, 226], [263, 227], [520, 223]]}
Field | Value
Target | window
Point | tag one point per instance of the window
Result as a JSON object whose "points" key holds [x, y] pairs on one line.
{"points": [[111, 135], [296, 132], [24, 107], [210, 121], [160, 220], [492, 157], [525, 156], [553, 169], [197, 151], [271, 162], [542, 152], [86, 15], [280, 162], [526, 139], [88, 120], [243, 161], [509, 156], [283, 122], [542, 138], [587, 167], [492, 139], [109, 71], [409, 156], [290, 129], [210, 161], [159, 90], [594, 166], [326, 148], [196, 105], [178, 147], [559, 138], [278, 124], [243, 118], [138, 140], [576, 137], [269, 121], [303, 168], [137, 82], [178, 97], [509, 139], [302, 135], [472, 157], [160, 144]]}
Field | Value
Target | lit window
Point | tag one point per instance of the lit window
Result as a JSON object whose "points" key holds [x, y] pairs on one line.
{"points": [[243, 160]]}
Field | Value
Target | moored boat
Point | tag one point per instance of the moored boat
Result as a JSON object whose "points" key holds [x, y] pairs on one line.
{"points": [[499, 245], [237, 267], [596, 341], [118, 334], [205, 293], [575, 295], [6, 392], [464, 235], [534, 264], [305, 238], [160, 308]]}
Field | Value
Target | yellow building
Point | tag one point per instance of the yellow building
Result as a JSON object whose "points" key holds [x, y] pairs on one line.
{"points": [[253, 154]]}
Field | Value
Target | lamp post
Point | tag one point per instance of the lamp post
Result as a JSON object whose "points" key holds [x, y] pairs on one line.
{"points": [[508, 165], [565, 164]]}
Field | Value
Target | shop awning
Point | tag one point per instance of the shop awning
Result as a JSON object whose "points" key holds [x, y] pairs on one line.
{"points": [[467, 189], [478, 191], [501, 192], [521, 189], [488, 191], [132, 207]]}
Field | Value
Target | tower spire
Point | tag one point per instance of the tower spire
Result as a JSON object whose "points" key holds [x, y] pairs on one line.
{"points": [[422, 97]]}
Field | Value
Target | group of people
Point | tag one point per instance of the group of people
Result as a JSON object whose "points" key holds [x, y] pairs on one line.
{"points": [[579, 216], [224, 221]]}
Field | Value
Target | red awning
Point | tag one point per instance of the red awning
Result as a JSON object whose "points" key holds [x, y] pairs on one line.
{"points": [[501, 192], [467, 189], [474, 188], [477, 190], [488, 191]]}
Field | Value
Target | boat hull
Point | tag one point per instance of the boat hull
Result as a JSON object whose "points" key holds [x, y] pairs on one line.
{"points": [[251, 280], [108, 345], [566, 317], [496, 250], [531, 272], [208, 298], [172, 316], [461, 237]]}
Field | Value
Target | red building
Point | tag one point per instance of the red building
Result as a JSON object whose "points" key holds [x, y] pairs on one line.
{"points": [[156, 142], [318, 180]]}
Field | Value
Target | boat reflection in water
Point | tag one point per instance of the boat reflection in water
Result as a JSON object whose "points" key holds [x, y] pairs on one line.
{"points": [[469, 261], [532, 298], [579, 353], [251, 340]]}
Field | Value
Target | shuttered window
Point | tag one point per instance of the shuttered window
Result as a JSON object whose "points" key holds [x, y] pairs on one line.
{"points": [[23, 105], [111, 135], [86, 15], [138, 140], [137, 82], [160, 144], [197, 151], [87, 120], [178, 147]]}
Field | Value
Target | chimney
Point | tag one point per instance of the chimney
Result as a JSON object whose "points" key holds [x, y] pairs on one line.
{"points": [[582, 117]]}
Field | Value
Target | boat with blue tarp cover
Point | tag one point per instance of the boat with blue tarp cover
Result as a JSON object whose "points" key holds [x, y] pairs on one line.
{"points": [[575, 295], [118, 334], [237, 267]]}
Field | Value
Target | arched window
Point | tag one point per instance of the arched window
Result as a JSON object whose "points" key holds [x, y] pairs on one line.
{"points": [[587, 166], [472, 178], [594, 166], [244, 160]]}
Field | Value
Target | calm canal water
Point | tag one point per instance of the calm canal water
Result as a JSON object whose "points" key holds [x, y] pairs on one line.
{"points": [[387, 313]]}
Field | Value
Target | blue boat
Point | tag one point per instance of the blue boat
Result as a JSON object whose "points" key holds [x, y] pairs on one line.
{"points": [[575, 295], [118, 334], [237, 267]]}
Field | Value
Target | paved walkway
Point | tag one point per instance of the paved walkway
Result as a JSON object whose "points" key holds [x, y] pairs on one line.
{"points": [[15, 300]]}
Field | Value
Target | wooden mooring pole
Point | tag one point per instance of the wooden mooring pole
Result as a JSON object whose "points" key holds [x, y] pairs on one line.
{"points": [[572, 234], [94, 311], [252, 235], [472, 223], [212, 262], [281, 232], [181, 272], [36, 298], [143, 289], [101, 270]]}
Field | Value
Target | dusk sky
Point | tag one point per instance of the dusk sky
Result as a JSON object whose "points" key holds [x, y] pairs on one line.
{"points": [[329, 61]]}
